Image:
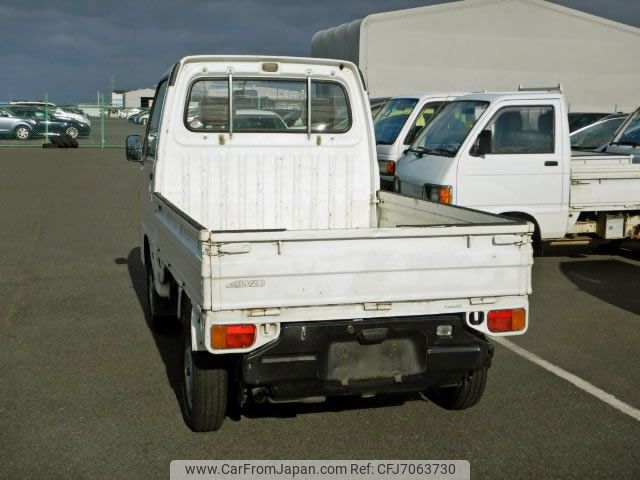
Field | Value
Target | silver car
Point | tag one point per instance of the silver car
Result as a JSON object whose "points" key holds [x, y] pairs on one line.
{"points": [[15, 126]]}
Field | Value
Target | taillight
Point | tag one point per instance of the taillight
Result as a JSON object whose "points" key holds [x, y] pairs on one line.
{"points": [[512, 320], [232, 336]]}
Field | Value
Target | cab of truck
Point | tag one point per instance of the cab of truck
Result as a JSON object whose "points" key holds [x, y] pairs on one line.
{"points": [[399, 122], [627, 138], [497, 152]]}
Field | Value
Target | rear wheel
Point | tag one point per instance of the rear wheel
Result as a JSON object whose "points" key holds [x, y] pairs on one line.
{"points": [[462, 396], [204, 387], [22, 132]]}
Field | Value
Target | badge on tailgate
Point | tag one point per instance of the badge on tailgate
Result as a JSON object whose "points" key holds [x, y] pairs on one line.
{"points": [[246, 284]]}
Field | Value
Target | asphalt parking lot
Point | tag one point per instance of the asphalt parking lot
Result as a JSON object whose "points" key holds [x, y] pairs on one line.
{"points": [[88, 391]]}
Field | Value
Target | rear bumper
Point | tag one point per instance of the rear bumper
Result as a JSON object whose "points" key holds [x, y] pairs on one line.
{"points": [[349, 357]]}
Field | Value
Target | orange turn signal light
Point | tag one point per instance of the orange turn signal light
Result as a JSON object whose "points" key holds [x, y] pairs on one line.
{"points": [[512, 320], [232, 336], [391, 168], [444, 195]]}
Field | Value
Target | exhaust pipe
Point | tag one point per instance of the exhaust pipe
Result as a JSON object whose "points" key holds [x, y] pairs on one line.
{"points": [[260, 395]]}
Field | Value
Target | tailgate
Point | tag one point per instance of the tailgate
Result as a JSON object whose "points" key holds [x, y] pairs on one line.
{"points": [[368, 266]]}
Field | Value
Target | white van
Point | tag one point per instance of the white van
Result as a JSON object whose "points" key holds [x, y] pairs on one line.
{"points": [[398, 123]]}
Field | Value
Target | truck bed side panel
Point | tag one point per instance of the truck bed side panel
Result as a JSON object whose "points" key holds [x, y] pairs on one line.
{"points": [[604, 182]]}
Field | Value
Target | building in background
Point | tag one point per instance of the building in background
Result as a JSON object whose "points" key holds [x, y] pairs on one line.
{"points": [[473, 45], [139, 98]]}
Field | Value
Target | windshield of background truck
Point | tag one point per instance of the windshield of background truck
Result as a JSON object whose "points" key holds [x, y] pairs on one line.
{"points": [[445, 134], [391, 119], [630, 134], [596, 135]]}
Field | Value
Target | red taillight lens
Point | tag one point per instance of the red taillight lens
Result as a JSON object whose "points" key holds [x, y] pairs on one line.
{"points": [[507, 320], [232, 336]]}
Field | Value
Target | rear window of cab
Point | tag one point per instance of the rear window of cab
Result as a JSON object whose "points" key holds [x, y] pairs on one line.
{"points": [[267, 105]]}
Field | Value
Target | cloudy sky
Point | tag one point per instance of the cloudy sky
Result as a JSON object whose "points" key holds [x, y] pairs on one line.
{"points": [[71, 48]]}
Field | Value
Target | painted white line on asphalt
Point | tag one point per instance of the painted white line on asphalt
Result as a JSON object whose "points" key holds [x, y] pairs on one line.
{"points": [[571, 378]]}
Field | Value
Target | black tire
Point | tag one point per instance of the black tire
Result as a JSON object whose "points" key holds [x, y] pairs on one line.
{"points": [[22, 132], [204, 388], [72, 131], [65, 141], [462, 396], [160, 309]]}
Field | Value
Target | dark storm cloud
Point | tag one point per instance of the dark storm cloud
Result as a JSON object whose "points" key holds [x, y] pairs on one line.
{"points": [[70, 48]]}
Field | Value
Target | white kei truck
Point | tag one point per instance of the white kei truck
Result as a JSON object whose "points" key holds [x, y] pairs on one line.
{"points": [[510, 153], [263, 230]]}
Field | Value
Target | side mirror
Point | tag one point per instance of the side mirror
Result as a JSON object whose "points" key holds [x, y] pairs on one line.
{"points": [[483, 144], [134, 148]]}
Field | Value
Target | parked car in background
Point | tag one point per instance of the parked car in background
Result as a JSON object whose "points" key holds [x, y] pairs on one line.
{"points": [[398, 123], [132, 118], [128, 112], [577, 120], [47, 122], [251, 120], [76, 110], [141, 117], [597, 135], [16, 126], [60, 112], [376, 104], [627, 138]]}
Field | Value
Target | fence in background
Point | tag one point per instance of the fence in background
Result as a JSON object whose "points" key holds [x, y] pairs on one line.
{"points": [[96, 125]]}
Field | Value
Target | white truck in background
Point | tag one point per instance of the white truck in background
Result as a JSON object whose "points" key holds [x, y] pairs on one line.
{"points": [[294, 277], [509, 153], [398, 123]]}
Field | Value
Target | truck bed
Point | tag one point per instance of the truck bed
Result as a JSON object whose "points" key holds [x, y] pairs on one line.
{"points": [[602, 182], [421, 252]]}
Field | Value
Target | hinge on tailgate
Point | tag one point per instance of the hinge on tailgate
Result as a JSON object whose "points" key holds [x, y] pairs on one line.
{"points": [[227, 248], [264, 312], [511, 239], [483, 301]]}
